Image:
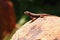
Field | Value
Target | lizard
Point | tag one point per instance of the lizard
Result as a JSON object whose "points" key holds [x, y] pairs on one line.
{"points": [[34, 16]]}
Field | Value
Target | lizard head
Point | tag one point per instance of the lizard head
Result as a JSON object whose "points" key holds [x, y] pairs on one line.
{"points": [[27, 12]]}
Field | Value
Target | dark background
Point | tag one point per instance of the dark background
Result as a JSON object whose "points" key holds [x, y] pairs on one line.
{"points": [[36, 6]]}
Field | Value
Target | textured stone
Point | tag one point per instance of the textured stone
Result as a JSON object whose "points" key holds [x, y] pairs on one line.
{"points": [[47, 28]]}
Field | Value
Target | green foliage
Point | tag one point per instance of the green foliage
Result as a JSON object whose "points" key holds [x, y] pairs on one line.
{"points": [[22, 20]]}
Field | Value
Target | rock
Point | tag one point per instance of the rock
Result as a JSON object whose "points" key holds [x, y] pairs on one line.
{"points": [[47, 28]]}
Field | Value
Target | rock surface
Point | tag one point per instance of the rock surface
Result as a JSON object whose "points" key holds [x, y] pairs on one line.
{"points": [[47, 28]]}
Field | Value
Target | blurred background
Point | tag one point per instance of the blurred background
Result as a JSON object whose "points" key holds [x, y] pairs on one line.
{"points": [[12, 14]]}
